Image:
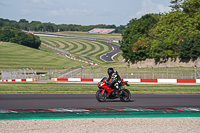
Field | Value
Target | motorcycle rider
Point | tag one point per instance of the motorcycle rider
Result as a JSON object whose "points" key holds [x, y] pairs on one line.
{"points": [[112, 88], [113, 78]]}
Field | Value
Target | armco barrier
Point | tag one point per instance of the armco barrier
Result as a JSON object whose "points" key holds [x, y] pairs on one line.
{"points": [[166, 81], [19, 80]]}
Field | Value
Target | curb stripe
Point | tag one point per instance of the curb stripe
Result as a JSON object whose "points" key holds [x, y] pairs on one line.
{"points": [[167, 80], [2, 111], [74, 79], [23, 79], [149, 80], [133, 80], [186, 80], [91, 80], [18, 80], [63, 79]]}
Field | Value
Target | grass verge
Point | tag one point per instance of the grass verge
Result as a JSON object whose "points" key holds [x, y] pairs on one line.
{"points": [[13, 88]]}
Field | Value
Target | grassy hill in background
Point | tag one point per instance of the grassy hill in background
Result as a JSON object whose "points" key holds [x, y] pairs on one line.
{"points": [[81, 49], [17, 56], [92, 35]]}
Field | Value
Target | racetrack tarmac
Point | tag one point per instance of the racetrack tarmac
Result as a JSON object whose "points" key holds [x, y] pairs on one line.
{"points": [[34, 123], [41, 101]]}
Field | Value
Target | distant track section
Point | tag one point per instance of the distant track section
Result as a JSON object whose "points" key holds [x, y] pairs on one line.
{"points": [[105, 57]]}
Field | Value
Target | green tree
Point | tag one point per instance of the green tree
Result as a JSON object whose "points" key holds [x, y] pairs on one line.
{"points": [[164, 38], [170, 27], [51, 27], [141, 49], [191, 6], [176, 4], [136, 29], [23, 21], [190, 48], [8, 34], [35, 26]]}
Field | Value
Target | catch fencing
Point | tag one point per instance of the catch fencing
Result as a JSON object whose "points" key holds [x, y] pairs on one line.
{"points": [[19, 74], [135, 73], [90, 72]]}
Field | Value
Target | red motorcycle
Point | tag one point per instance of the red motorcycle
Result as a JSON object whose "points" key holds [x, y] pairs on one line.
{"points": [[117, 91]]}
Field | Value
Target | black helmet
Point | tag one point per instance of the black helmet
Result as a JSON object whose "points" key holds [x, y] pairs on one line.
{"points": [[110, 71]]}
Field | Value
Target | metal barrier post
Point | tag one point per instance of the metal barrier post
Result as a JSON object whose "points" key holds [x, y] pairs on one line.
{"points": [[92, 73], [27, 72], [152, 72], [49, 73], [32, 73], [24, 73], [139, 72], [195, 73], [81, 71], [181, 72], [55, 74], [167, 72]]}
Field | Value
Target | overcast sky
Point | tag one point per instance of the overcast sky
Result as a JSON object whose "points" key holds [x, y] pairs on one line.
{"points": [[83, 12]]}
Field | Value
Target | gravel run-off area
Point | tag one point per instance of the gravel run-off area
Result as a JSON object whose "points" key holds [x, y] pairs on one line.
{"points": [[111, 125]]}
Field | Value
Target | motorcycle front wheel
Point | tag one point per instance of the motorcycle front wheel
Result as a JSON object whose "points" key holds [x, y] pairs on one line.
{"points": [[125, 96], [100, 97]]}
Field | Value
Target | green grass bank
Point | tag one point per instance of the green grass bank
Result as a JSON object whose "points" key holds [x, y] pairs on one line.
{"points": [[19, 56]]}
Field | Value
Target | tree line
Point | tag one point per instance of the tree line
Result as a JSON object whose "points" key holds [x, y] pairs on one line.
{"points": [[14, 35], [51, 27], [169, 35]]}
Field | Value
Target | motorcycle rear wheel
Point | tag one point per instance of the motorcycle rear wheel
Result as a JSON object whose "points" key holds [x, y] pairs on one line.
{"points": [[125, 96], [100, 97]]}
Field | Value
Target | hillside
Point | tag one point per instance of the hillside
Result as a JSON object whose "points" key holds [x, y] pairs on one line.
{"points": [[92, 35], [82, 49], [18, 56]]}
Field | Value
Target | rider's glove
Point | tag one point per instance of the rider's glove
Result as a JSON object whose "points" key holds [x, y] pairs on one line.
{"points": [[116, 85]]}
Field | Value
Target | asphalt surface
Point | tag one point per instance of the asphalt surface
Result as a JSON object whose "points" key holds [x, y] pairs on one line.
{"points": [[106, 57], [41, 101], [109, 56]]}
